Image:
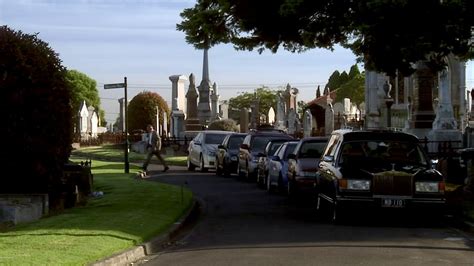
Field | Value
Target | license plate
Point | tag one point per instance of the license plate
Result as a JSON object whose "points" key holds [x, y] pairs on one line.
{"points": [[393, 203]]}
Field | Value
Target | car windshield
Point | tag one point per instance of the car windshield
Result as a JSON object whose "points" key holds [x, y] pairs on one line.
{"points": [[214, 138], [274, 145], [289, 149], [235, 141], [312, 149], [371, 152], [259, 142]]}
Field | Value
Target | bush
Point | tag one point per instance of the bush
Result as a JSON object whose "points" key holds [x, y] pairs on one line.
{"points": [[224, 124], [37, 114], [142, 110]]}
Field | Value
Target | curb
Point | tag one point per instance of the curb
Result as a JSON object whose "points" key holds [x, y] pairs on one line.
{"points": [[154, 245]]}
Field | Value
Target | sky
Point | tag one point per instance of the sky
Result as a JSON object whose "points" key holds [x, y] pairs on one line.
{"points": [[112, 39]]}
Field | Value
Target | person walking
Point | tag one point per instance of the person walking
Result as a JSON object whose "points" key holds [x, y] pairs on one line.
{"points": [[153, 148]]}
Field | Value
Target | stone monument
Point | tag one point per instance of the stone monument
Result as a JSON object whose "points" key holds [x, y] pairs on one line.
{"points": [[244, 120], [192, 122], [214, 100], [444, 126], [271, 116], [204, 107]]}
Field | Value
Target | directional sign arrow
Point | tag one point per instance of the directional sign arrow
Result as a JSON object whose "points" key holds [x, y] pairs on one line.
{"points": [[114, 86]]}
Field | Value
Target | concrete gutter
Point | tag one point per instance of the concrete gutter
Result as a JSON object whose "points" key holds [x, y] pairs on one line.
{"points": [[156, 244]]}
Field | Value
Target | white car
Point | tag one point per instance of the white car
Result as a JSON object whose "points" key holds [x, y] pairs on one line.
{"points": [[202, 149]]}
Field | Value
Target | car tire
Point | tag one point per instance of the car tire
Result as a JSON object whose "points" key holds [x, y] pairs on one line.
{"points": [[225, 171], [190, 165], [201, 164]]}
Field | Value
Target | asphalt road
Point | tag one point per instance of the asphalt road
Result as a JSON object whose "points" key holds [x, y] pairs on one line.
{"points": [[243, 225]]}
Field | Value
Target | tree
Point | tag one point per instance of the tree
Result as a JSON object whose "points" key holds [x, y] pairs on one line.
{"points": [[142, 110], [224, 124], [350, 85], [83, 88], [37, 115], [353, 89], [266, 99], [386, 35]]}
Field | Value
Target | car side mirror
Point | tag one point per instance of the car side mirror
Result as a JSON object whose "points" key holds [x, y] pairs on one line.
{"points": [[197, 143], [328, 158], [434, 163], [244, 146], [292, 156], [220, 146], [261, 154]]}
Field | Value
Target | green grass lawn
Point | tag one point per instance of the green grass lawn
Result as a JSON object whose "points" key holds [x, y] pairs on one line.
{"points": [[130, 212], [114, 153]]}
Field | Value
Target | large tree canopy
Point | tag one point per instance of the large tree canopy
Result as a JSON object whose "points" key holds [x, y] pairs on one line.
{"points": [[266, 99], [386, 35], [142, 110]]}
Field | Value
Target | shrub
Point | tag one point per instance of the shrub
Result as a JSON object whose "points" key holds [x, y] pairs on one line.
{"points": [[224, 124], [36, 114]]}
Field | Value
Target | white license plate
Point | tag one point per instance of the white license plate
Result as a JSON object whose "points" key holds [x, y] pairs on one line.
{"points": [[393, 203]]}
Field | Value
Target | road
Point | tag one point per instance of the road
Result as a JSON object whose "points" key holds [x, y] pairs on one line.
{"points": [[243, 225]]}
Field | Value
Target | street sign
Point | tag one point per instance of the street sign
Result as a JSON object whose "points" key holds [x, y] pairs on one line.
{"points": [[126, 146], [114, 85]]}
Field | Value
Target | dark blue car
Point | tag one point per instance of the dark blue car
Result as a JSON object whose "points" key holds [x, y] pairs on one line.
{"points": [[227, 154]]}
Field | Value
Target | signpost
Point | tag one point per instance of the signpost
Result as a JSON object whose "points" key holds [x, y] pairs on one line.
{"points": [[117, 86]]}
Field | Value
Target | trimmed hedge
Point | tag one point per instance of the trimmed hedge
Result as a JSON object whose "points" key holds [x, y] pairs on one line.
{"points": [[36, 115]]}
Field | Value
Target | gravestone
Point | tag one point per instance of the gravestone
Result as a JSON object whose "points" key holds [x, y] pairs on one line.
{"points": [[192, 121], [444, 125], [244, 120], [224, 110], [292, 122], [281, 112], [271, 116], [307, 123], [214, 100], [177, 92], [204, 105]]}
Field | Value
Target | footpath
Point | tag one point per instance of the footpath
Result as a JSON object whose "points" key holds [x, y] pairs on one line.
{"points": [[161, 241]]}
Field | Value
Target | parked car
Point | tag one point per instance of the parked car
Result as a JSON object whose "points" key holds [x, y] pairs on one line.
{"points": [[278, 167], [262, 164], [227, 154], [303, 164], [253, 144], [379, 169], [202, 149]]}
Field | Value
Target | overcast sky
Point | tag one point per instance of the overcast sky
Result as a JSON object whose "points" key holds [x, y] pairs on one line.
{"points": [[112, 39]]}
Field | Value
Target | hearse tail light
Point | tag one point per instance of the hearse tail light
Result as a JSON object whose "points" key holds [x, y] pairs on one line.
{"points": [[354, 184]]}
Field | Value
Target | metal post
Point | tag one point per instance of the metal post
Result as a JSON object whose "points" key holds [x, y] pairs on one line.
{"points": [[127, 163]]}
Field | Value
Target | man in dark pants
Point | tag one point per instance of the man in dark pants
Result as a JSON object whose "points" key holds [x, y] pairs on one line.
{"points": [[153, 148]]}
